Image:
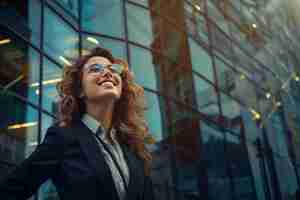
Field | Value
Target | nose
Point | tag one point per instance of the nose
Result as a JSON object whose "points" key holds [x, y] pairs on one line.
{"points": [[107, 73]]}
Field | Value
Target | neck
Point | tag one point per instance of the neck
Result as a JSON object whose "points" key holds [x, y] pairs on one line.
{"points": [[103, 113]]}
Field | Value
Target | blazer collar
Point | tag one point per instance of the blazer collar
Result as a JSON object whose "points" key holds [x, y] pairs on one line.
{"points": [[94, 156], [91, 123], [96, 159]]}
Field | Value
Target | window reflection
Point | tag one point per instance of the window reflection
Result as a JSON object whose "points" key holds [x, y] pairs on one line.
{"points": [[34, 21], [239, 167], [140, 31], [278, 138], [176, 159], [52, 74], [70, 5], [105, 17], [141, 2], [214, 156], [19, 132], [60, 41], [143, 67], [201, 60], [195, 22], [19, 16], [206, 97], [116, 47], [215, 13], [230, 108], [19, 67], [153, 115], [18, 137]]}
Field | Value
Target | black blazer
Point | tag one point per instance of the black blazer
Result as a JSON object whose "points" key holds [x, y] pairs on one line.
{"points": [[73, 160]]}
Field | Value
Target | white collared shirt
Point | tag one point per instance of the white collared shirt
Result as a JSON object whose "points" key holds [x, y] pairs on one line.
{"points": [[115, 149]]}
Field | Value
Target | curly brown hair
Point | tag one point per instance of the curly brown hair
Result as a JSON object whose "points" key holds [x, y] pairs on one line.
{"points": [[128, 114]]}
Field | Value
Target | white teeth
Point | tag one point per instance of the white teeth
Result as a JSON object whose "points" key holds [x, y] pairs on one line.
{"points": [[107, 83]]}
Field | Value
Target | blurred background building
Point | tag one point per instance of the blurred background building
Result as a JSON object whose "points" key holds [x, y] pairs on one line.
{"points": [[221, 78]]}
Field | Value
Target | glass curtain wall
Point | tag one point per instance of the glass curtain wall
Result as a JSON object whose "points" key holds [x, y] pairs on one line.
{"points": [[221, 82]]}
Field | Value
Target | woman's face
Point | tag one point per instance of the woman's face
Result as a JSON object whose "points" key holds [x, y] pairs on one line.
{"points": [[98, 85]]}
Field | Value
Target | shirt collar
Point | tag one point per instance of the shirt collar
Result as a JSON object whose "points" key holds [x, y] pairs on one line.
{"points": [[94, 125]]}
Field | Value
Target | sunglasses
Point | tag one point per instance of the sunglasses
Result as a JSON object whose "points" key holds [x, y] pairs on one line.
{"points": [[99, 68]]}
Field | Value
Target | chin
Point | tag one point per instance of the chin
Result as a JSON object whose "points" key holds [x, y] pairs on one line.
{"points": [[109, 95]]}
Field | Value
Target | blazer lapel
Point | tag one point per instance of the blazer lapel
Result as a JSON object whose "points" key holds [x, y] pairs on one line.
{"points": [[94, 155], [134, 173]]}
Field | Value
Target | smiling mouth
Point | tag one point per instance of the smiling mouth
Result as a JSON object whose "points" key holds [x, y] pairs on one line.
{"points": [[103, 82]]}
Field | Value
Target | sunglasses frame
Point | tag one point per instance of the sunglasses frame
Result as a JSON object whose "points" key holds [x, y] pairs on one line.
{"points": [[109, 66]]}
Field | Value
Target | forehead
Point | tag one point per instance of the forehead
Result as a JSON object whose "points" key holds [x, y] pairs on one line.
{"points": [[98, 59]]}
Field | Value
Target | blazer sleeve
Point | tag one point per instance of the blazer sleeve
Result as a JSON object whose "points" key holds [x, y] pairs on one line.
{"points": [[25, 179]]}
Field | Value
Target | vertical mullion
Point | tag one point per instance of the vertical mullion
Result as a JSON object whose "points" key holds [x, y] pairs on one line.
{"points": [[40, 99], [41, 70], [216, 87], [126, 31], [289, 142], [80, 27], [210, 42]]}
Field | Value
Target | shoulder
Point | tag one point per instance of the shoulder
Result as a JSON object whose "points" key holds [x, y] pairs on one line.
{"points": [[64, 134]]}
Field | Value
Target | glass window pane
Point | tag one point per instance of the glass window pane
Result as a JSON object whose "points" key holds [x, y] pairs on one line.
{"points": [[226, 76], [116, 47], [19, 132], [236, 84], [19, 123], [34, 21], [257, 171], [105, 17], [230, 108], [206, 97], [201, 60], [195, 22], [141, 2], [70, 5], [239, 165], [143, 68], [19, 67], [52, 74], [60, 40], [221, 44], [139, 25], [217, 16], [176, 158], [23, 17], [66, 8], [153, 115], [214, 156]]}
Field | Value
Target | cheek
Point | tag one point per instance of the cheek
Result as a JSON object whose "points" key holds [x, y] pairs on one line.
{"points": [[85, 85]]}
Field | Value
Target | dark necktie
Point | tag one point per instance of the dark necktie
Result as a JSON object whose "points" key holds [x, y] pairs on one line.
{"points": [[105, 146]]}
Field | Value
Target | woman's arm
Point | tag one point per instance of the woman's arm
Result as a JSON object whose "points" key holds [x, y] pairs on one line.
{"points": [[23, 182]]}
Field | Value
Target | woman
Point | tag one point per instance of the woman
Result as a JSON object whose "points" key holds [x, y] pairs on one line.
{"points": [[96, 150]]}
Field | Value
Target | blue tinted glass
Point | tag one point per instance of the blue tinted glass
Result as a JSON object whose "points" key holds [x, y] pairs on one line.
{"points": [[116, 47], [60, 40], [143, 67], [139, 25], [201, 60], [105, 17]]}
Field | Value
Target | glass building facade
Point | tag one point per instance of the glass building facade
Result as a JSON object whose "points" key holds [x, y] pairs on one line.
{"points": [[221, 79]]}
